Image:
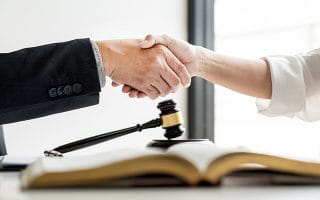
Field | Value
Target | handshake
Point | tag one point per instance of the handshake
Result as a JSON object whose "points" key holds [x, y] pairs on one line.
{"points": [[153, 67]]}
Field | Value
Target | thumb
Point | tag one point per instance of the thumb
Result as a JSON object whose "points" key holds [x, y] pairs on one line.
{"points": [[148, 42], [151, 40]]}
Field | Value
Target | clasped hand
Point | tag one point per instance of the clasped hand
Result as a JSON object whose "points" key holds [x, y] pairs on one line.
{"points": [[153, 67]]}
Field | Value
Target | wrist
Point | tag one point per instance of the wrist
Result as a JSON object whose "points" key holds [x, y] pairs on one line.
{"points": [[200, 54], [105, 53], [192, 60], [207, 62]]}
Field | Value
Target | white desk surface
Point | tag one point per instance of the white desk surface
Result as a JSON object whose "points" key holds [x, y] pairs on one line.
{"points": [[10, 190]]}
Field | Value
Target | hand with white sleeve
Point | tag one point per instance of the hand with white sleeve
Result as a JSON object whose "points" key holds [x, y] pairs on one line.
{"points": [[285, 85], [247, 76]]}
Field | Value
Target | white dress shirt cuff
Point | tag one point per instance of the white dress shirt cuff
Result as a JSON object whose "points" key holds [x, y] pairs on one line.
{"points": [[288, 87], [101, 72]]}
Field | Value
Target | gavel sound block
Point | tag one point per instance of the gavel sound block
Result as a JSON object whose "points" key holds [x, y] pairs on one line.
{"points": [[171, 122], [170, 119]]}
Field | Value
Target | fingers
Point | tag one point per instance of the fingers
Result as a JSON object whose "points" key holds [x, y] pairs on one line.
{"points": [[152, 92], [181, 49], [141, 95], [151, 40], [166, 77], [173, 61], [114, 84], [163, 87], [148, 42], [134, 93], [126, 88], [172, 79], [179, 69], [154, 72], [130, 90]]}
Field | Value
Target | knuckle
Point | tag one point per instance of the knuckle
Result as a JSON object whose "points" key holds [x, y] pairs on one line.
{"points": [[175, 82], [175, 85], [153, 96], [165, 91], [151, 93], [160, 50], [188, 81], [152, 75], [179, 69], [155, 60], [157, 68]]}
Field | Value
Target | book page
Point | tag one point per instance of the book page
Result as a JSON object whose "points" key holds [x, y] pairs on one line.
{"points": [[68, 163], [201, 154], [72, 163]]}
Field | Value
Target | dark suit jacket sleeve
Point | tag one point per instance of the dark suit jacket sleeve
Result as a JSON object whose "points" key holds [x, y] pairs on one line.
{"points": [[44, 80]]}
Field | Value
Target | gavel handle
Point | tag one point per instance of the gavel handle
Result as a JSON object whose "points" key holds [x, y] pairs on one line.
{"points": [[86, 142]]}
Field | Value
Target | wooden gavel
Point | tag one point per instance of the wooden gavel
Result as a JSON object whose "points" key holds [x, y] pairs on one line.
{"points": [[170, 119]]}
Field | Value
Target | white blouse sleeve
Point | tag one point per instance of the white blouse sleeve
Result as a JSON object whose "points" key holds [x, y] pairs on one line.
{"points": [[295, 87]]}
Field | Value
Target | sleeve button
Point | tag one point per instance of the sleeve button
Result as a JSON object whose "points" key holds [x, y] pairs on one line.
{"points": [[67, 90], [77, 88], [53, 92], [60, 91]]}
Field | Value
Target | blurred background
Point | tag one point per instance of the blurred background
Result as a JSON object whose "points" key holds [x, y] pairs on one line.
{"points": [[256, 28], [245, 28]]}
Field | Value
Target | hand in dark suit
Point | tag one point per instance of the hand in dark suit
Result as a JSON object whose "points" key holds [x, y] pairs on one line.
{"points": [[48, 79]]}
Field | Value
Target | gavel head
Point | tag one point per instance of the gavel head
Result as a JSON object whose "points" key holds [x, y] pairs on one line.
{"points": [[171, 119]]}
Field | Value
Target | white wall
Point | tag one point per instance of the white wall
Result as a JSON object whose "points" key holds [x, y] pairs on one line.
{"points": [[35, 22]]}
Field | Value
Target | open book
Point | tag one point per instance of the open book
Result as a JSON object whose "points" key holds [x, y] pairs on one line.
{"points": [[191, 163]]}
